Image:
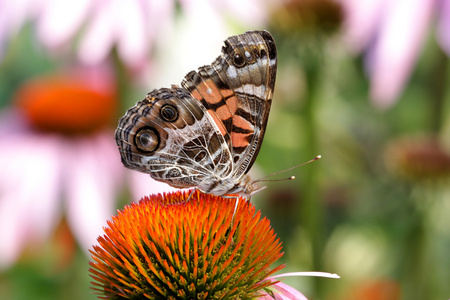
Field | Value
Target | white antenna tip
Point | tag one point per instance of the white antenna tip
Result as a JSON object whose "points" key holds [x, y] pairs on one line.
{"points": [[292, 178], [319, 156]]}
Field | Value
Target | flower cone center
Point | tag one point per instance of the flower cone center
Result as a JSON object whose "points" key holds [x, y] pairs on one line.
{"points": [[167, 248], [67, 104]]}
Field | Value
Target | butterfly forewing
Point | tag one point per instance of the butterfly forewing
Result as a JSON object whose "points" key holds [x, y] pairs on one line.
{"points": [[237, 91]]}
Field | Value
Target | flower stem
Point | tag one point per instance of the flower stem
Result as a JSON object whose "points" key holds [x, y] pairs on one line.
{"points": [[437, 90], [312, 210]]}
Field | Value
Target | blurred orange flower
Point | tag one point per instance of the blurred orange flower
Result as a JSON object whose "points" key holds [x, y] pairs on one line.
{"points": [[57, 151], [68, 103]]}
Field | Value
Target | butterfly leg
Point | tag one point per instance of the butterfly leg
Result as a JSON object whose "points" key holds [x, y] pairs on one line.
{"points": [[190, 195]]}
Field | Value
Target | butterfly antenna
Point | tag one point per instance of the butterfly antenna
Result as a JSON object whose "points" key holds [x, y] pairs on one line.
{"points": [[289, 178]]}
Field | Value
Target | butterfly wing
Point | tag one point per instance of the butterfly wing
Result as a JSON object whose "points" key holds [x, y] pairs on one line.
{"points": [[171, 137], [206, 134], [236, 90]]}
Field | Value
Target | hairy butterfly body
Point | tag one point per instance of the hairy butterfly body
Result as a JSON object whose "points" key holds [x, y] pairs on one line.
{"points": [[207, 133]]}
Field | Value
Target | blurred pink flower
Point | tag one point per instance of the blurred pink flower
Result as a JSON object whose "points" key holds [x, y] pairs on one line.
{"points": [[48, 169], [134, 28], [392, 34], [130, 26]]}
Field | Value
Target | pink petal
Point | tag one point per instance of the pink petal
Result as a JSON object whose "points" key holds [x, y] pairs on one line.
{"points": [[287, 292], [361, 21], [14, 14], [91, 187], [142, 185], [131, 33], [443, 30], [99, 36], [29, 192], [400, 38], [159, 20], [283, 291]]}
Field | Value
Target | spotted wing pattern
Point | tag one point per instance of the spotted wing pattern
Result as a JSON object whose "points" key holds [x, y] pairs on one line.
{"points": [[207, 133]]}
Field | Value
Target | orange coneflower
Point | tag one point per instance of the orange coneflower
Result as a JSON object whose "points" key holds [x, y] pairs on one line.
{"points": [[166, 247]]}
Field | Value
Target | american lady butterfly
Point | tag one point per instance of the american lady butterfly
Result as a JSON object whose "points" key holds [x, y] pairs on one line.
{"points": [[207, 133]]}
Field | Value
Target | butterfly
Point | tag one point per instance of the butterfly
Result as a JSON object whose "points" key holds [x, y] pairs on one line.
{"points": [[207, 133]]}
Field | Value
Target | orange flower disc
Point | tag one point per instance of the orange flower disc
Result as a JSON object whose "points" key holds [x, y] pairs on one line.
{"points": [[68, 103], [166, 248]]}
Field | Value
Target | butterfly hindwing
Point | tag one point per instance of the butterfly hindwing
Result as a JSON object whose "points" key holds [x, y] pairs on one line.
{"points": [[183, 140]]}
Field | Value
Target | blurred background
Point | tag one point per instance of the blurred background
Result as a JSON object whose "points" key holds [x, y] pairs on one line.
{"points": [[364, 83]]}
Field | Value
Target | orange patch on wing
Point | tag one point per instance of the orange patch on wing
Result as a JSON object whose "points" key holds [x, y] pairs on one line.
{"points": [[224, 112], [209, 91], [240, 139], [232, 104], [226, 93], [240, 122], [196, 95], [218, 122]]}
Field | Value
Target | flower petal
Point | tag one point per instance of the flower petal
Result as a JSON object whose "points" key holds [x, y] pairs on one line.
{"points": [[393, 56], [29, 192], [13, 15], [91, 187], [99, 36], [362, 18], [443, 30], [60, 20], [283, 291], [143, 185], [132, 39], [239, 10]]}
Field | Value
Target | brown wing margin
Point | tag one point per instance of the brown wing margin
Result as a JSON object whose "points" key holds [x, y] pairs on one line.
{"points": [[271, 53]]}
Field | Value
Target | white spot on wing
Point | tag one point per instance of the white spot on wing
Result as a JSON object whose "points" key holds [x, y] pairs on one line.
{"points": [[251, 89], [232, 72]]}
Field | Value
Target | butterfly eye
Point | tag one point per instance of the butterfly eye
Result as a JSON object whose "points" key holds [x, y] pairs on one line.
{"points": [[238, 60], [169, 113], [147, 140]]}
